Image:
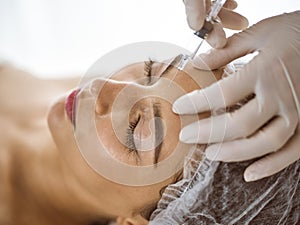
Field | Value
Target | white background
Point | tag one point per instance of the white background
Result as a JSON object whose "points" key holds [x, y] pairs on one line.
{"points": [[59, 38]]}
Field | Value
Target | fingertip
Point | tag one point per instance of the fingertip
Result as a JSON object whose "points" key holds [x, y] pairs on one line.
{"points": [[214, 153], [210, 154], [244, 23], [181, 136], [194, 22], [184, 136], [254, 172], [218, 42], [184, 105], [233, 20], [250, 176], [217, 37], [195, 12], [221, 43], [230, 4], [177, 105], [175, 108]]}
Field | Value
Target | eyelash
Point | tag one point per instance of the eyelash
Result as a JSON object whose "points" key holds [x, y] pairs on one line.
{"points": [[147, 69], [132, 125], [129, 138]]}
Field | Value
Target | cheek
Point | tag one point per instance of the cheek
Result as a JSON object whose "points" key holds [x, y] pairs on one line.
{"points": [[118, 199], [60, 127], [112, 143], [61, 130]]}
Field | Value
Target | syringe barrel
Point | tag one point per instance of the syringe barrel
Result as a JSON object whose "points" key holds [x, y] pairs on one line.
{"points": [[215, 9]]}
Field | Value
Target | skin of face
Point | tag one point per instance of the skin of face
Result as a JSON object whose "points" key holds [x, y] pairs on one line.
{"points": [[112, 200]]}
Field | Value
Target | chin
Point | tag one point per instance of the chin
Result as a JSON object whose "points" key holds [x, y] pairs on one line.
{"points": [[56, 113], [62, 131], [59, 123]]}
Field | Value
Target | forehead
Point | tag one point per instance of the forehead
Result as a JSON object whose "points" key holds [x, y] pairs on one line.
{"points": [[136, 73], [129, 73], [190, 75]]}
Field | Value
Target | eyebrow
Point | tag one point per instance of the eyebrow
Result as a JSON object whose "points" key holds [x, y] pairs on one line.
{"points": [[159, 131]]}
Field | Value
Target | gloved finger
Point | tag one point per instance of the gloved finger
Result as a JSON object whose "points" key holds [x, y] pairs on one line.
{"points": [[221, 94], [198, 132], [233, 20], [195, 13], [239, 125], [266, 140], [230, 4], [237, 46], [217, 37], [276, 161], [236, 125]]}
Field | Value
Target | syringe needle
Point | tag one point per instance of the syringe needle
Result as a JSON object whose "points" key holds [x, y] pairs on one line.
{"points": [[192, 56], [203, 32], [186, 58]]}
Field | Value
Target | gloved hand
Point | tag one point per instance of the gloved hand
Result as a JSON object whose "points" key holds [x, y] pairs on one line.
{"points": [[197, 10], [268, 125]]}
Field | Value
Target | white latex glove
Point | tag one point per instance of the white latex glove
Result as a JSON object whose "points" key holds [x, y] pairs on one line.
{"points": [[268, 125], [197, 10]]}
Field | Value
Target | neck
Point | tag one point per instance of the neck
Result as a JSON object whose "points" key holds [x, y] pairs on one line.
{"points": [[37, 187], [43, 186]]}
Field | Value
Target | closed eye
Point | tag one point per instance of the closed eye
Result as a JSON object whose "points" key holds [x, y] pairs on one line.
{"points": [[129, 138], [159, 132]]}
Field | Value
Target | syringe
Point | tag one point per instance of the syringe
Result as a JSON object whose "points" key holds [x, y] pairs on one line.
{"points": [[203, 32]]}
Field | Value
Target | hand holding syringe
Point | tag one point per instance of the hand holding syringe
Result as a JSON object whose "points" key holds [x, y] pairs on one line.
{"points": [[268, 125], [203, 32]]}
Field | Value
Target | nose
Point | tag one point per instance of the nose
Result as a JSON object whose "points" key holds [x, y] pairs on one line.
{"points": [[106, 91]]}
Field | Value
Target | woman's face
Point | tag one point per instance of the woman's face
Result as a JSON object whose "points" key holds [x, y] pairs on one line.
{"points": [[128, 131]]}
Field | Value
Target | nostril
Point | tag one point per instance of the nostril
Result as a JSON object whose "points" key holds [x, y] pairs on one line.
{"points": [[102, 108], [96, 89], [105, 91]]}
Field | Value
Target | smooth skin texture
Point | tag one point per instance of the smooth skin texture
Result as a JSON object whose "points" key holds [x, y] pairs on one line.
{"points": [[44, 179]]}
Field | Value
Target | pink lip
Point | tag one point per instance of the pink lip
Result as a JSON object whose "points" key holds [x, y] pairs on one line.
{"points": [[70, 104]]}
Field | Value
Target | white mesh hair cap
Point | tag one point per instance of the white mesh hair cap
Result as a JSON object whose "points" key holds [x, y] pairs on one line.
{"points": [[213, 193]]}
